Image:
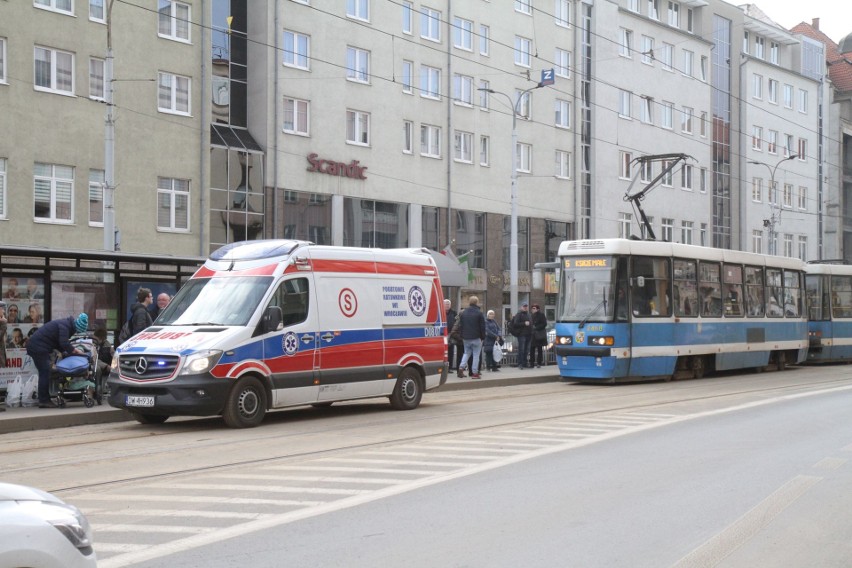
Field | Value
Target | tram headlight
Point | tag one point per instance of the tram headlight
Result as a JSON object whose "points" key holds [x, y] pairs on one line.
{"points": [[603, 340], [563, 340]]}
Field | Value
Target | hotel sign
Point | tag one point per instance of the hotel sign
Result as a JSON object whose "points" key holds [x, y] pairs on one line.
{"points": [[341, 169]]}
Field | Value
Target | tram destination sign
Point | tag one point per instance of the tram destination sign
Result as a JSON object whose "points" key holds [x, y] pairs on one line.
{"points": [[588, 262]]}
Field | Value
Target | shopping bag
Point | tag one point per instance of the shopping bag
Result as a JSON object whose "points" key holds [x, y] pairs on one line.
{"points": [[14, 388], [497, 353]]}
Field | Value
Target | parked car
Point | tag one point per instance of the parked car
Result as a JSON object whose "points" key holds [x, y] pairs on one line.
{"points": [[39, 530]]}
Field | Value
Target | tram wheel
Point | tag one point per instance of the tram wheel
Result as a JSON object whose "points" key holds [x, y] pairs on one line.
{"points": [[781, 360], [698, 367]]}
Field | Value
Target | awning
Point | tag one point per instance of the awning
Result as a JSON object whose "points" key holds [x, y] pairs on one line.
{"points": [[224, 136], [450, 271]]}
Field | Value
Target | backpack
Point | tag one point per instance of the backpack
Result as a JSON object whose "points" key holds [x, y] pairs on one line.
{"points": [[124, 334]]}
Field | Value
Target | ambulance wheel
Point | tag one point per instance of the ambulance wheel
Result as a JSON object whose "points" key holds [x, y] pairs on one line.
{"points": [[246, 404], [408, 390], [149, 418]]}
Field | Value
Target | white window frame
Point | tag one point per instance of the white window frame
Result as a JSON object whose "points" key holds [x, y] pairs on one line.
{"points": [[96, 196], [624, 222], [562, 110], [803, 247], [463, 147], [803, 150], [407, 137], [667, 229], [430, 24], [667, 115], [686, 177], [772, 92], [57, 60], [357, 65], [407, 77], [174, 20], [297, 50], [702, 125], [633, 6], [646, 108], [54, 6], [171, 191], [58, 179], [523, 6], [96, 79], [562, 13], [687, 230], [757, 189], [297, 116], [686, 120], [625, 104], [788, 145], [462, 34], [787, 196], [430, 82], [654, 9], [646, 171], [625, 42], [358, 10], [757, 138], [759, 45], [667, 57], [484, 95], [357, 127], [757, 241], [647, 49], [803, 101], [523, 158], [524, 104], [757, 86], [624, 164], [430, 141], [788, 96], [674, 14], [523, 51], [562, 63], [171, 84], [463, 90], [563, 164], [3, 60], [688, 62], [3, 200], [97, 11], [668, 179], [773, 52], [407, 17], [484, 40], [485, 151], [703, 69], [803, 198], [772, 141]]}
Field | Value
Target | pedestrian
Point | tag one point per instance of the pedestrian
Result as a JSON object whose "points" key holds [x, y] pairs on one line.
{"points": [[492, 336], [163, 300], [522, 329], [538, 322], [104, 349], [454, 350], [140, 319], [54, 334], [3, 339], [472, 329]]}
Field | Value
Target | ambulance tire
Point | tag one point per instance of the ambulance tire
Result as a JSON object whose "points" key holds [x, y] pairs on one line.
{"points": [[246, 404], [149, 418], [408, 390]]}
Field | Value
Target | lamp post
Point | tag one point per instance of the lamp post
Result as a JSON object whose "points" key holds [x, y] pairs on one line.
{"points": [[513, 243], [109, 141], [772, 218]]}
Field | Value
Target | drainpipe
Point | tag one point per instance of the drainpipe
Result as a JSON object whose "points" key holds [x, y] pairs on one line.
{"points": [[204, 149], [276, 101], [449, 122]]}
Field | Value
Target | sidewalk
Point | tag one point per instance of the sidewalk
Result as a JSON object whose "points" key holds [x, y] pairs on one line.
{"points": [[75, 414]]}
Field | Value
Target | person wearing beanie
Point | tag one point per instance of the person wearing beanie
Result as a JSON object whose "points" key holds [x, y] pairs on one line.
{"points": [[55, 334]]}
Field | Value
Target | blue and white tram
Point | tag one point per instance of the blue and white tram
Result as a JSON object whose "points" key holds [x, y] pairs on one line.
{"points": [[641, 310], [829, 300]]}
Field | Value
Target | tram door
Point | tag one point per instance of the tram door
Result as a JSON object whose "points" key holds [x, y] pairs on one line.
{"points": [[652, 332]]}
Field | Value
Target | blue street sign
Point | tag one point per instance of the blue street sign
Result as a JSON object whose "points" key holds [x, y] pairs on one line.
{"points": [[547, 77]]}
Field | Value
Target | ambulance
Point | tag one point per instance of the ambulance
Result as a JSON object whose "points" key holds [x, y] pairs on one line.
{"points": [[279, 323]]}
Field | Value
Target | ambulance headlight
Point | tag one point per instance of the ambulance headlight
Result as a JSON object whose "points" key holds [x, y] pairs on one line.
{"points": [[201, 362], [603, 340]]}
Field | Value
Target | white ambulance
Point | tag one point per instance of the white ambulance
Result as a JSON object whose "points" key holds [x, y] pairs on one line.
{"points": [[280, 323]]}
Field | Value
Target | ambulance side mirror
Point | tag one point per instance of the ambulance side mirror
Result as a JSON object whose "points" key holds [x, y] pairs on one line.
{"points": [[272, 319]]}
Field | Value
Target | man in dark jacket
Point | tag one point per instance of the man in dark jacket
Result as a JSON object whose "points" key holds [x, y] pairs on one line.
{"points": [[522, 329], [453, 349], [472, 324], [141, 318], [538, 322], [54, 334]]}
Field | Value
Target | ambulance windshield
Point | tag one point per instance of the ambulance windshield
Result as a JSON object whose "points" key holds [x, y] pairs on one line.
{"points": [[229, 300]]}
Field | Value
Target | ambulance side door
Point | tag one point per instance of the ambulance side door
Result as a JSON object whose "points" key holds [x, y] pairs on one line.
{"points": [[291, 351]]}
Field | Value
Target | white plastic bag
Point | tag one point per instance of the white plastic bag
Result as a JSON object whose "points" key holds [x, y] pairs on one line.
{"points": [[29, 391], [497, 353], [13, 392]]}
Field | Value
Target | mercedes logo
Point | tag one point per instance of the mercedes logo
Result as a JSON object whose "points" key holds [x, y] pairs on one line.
{"points": [[141, 365]]}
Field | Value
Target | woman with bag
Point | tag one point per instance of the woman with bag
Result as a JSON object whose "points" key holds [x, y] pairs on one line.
{"points": [[539, 336], [492, 336]]}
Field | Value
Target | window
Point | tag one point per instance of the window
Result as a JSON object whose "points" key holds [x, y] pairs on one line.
{"points": [[484, 87], [524, 104], [703, 124], [54, 71], [96, 197], [407, 76], [803, 198], [523, 157], [746, 43], [96, 78], [667, 117], [523, 6], [430, 82], [625, 41], [2, 59], [624, 171], [686, 231], [757, 138], [803, 247], [296, 116], [430, 141], [463, 89], [709, 284], [757, 189], [757, 246], [674, 14], [759, 44], [430, 24], [53, 193], [463, 34], [654, 9], [407, 13], [668, 179], [773, 52], [702, 184], [64, 6], [624, 221], [803, 100], [358, 9], [772, 142], [703, 70], [96, 11], [646, 110], [788, 96], [174, 18], [563, 164], [690, 20], [667, 56], [686, 120], [685, 290], [563, 114], [484, 150], [296, 50], [803, 149], [668, 229], [757, 86], [788, 145], [772, 95], [172, 204], [173, 93], [788, 245], [647, 48], [484, 40], [624, 103], [633, 6], [562, 13], [788, 196], [686, 177], [3, 188], [772, 192], [463, 150], [688, 58], [357, 65], [562, 63], [646, 171], [358, 127], [407, 137], [522, 51]]}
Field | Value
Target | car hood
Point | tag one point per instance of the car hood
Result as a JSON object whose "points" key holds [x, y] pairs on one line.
{"points": [[179, 339], [14, 492]]}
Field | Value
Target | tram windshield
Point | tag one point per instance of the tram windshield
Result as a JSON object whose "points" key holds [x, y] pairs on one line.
{"points": [[587, 290]]}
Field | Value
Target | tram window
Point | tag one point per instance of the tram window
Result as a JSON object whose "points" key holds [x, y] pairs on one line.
{"points": [[732, 290], [774, 293], [685, 290], [792, 293], [754, 298], [650, 282], [841, 296], [710, 288], [816, 296]]}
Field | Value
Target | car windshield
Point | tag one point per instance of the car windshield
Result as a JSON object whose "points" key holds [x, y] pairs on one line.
{"points": [[228, 300], [586, 295]]}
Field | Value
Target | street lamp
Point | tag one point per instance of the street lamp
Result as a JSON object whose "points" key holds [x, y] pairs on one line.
{"points": [[109, 141], [772, 202], [513, 243]]}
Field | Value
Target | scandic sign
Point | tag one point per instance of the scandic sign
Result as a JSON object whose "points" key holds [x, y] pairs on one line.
{"points": [[332, 168]]}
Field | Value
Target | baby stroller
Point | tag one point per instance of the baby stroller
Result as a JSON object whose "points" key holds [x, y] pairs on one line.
{"points": [[76, 377]]}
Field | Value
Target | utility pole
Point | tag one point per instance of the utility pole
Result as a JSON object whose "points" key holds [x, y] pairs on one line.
{"points": [[773, 200], [109, 142]]}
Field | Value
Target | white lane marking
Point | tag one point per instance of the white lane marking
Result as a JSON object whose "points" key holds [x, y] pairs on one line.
{"points": [[230, 488], [400, 462], [309, 478], [101, 547], [455, 447], [830, 463], [712, 552], [343, 468], [183, 514], [107, 527], [437, 456], [147, 498], [519, 441], [176, 546]]}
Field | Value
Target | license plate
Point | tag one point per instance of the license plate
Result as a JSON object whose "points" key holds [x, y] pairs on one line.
{"points": [[139, 400]]}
